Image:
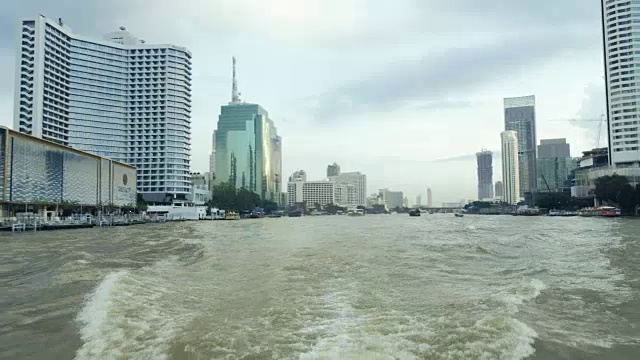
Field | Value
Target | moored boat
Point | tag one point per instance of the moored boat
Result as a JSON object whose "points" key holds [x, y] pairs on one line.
{"points": [[602, 211]]}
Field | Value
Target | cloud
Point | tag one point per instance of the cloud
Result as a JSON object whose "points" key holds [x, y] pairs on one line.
{"points": [[453, 72]]}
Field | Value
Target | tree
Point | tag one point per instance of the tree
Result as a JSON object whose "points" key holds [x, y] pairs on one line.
{"points": [[269, 206], [141, 205], [555, 201], [616, 190]]}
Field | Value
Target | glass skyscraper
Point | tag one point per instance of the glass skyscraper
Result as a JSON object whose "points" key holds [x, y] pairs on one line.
{"points": [[248, 150], [520, 116]]}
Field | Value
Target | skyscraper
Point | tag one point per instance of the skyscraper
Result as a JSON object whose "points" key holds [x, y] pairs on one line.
{"points": [[620, 33], [554, 164], [429, 198], [510, 167], [499, 190], [117, 97], [248, 149], [520, 116], [485, 174], [333, 170], [419, 200], [554, 148]]}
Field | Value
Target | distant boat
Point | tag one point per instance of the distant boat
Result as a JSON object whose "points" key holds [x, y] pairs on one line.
{"points": [[415, 212], [295, 213], [458, 215], [355, 212]]}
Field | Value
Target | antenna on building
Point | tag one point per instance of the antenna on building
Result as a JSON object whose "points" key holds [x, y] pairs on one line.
{"points": [[235, 95], [60, 21]]}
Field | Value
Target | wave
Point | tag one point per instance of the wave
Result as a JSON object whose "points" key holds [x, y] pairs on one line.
{"points": [[124, 317]]}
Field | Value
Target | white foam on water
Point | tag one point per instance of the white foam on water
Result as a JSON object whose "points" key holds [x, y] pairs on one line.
{"points": [[124, 318]]}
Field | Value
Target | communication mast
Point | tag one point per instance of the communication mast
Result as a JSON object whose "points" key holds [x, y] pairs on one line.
{"points": [[235, 95]]}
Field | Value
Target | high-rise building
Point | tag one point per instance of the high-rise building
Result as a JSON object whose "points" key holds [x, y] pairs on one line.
{"points": [[419, 200], [393, 199], [520, 116], [499, 190], [333, 170], [116, 97], [212, 156], [554, 148], [554, 164], [620, 32], [294, 188], [429, 198], [248, 149], [510, 167], [358, 180], [346, 195], [485, 174]]}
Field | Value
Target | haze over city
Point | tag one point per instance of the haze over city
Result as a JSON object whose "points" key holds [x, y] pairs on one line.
{"points": [[405, 92]]}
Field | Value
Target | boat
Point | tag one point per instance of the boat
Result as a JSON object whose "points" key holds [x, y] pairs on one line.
{"points": [[178, 210], [562, 213], [232, 216], [295, 213], [415, 212], [458, 215], [355, 212], [602, 211]]}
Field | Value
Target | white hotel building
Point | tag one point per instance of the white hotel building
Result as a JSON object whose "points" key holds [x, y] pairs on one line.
{"points": [[115, 97], [510, 167]]}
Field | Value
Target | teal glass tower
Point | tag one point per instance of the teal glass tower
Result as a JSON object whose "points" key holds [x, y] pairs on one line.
{"points": [[248, 150]]}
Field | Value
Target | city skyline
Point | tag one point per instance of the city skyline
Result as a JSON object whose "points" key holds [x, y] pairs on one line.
{"points": [[310, 112]]}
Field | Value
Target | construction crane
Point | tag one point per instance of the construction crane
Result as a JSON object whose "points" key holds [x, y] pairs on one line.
{"points": [[601, 120]]}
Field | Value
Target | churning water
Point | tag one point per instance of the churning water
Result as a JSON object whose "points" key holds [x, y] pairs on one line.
{"points": [[375, 287]]}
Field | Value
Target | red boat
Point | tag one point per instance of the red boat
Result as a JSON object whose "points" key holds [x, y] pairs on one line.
{"points": [[602, 211]]}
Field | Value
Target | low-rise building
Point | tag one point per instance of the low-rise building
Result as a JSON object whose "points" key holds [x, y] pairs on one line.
{"points": [[43, 173]]}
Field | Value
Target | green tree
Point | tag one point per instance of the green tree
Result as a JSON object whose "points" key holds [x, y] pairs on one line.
{"points": [[141, 205], [616, 190]]}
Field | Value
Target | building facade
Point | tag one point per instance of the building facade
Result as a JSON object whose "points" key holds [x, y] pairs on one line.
{"points": [[318, 193], [393, 199], [37, 171], [554, 148], [510, 167], [429, 198], [294, 188], [520, 116], [620, 32], [499, 193], [333, 170], [355, 179], [248, 150], [554, 165], [116, 97], [419, 200], [485, 174], [346, 195]]}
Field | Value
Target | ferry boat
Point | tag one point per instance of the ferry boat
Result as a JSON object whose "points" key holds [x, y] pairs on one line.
{"points": [[562, 213], [602, 211], [355, 212], [415, 212], [232, 216], [178, 210]]}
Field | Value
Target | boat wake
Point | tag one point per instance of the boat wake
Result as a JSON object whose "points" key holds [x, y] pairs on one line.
{"points": [[127, 316]]}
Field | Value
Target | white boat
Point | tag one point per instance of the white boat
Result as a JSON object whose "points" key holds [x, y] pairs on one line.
{"points": [[178, 210], [355, 212]]}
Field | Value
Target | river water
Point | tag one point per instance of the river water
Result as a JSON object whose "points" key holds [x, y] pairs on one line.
{"points": [[375, 287]]}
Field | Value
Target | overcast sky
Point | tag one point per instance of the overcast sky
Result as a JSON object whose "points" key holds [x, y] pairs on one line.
{"points": [[389, 88]]}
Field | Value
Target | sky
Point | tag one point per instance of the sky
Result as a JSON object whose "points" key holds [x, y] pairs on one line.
{"points": [[405, 91]]}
